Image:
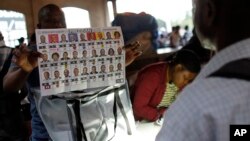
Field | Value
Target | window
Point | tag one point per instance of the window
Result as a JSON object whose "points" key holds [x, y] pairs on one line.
{"points": [[171, 11], [13, 27], [76, 17], [110, 10]]}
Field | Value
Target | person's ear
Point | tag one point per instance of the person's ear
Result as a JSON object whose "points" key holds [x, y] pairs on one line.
{"points": [[209, 13]]}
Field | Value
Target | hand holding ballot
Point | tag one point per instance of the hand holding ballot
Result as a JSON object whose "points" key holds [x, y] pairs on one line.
{"points": [[50, 56], [132, 52], [93, 55], [26, 58]]}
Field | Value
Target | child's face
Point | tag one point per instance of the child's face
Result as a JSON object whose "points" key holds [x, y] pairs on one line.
{"points": [[182, 77]]}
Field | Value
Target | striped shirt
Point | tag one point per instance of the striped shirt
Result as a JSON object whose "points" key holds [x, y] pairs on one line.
{"points": [[169, 95]]}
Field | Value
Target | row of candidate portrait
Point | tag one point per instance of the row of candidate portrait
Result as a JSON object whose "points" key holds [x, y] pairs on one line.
{"points": [[76, 71], [58, 83], [82, 82], [78, 37], [79, 46], [83, 62], [78, 54]]}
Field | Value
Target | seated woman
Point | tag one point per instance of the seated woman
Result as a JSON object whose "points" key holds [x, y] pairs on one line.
{"points": [[157, 85]]}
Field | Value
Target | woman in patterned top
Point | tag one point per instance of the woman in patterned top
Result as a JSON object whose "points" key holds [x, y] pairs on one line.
{"points": [[157, 85]]}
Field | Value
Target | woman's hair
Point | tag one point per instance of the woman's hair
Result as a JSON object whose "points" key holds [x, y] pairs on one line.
{"points": [[187, 58]]}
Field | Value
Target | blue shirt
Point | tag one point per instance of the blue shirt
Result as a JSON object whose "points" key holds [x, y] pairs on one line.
{"points": [[39, 132]]}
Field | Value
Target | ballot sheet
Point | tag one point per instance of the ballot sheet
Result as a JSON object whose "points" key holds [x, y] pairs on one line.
{"points": [[76, 59]]}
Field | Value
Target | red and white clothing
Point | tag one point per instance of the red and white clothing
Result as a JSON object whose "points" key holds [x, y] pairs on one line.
{"points": [[149, 90]]}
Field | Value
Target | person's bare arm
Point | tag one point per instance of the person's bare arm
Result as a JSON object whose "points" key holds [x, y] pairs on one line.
{"points": [[14, 79], [26, 60]]}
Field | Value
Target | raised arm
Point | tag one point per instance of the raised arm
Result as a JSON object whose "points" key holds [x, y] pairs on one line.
{"points": [[25, 60]]}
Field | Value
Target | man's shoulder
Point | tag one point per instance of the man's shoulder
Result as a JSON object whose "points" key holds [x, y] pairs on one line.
{"points": [[211, 92]]}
